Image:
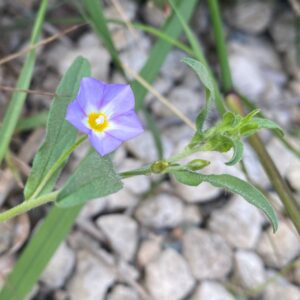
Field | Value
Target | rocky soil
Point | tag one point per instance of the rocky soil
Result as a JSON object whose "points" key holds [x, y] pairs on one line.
{"points": [[168, 241]]}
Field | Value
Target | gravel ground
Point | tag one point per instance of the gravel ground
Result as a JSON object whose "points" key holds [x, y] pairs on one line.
{"points": [[171, 242]]}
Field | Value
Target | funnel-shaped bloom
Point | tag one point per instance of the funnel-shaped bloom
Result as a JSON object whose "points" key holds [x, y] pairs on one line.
{"points": [[105, 112]]}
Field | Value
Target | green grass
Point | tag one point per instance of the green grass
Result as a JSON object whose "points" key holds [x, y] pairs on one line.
{"points": [[16, 103]]}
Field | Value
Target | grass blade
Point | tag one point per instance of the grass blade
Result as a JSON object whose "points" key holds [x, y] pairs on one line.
{"points": [[37, 254], [161, 49], [17, 101], [93, 13]]}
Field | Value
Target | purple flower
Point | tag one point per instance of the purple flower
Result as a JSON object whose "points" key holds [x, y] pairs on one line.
{"points": [[105, 112]]}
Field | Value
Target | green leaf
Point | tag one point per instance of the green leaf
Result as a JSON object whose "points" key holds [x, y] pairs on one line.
{"points": [[207, 80], [235, 185], [94, 178], [16, 103], [60, 134], [248, 117], [188, 177], [268, 124], [238, 149]]}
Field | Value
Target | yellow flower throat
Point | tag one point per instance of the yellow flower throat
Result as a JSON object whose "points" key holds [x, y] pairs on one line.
{"points": [[98, 121]]}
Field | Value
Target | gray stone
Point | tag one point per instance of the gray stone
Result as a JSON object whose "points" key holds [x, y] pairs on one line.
{"points": [[280, 248], [169, 277], [250, 16], [148, 251], [91, 50], [143, 147], [285, 160], [239, 223], [280, 289], [123, 199], [283, 30], [293, 177], [59, 267], [153, 15], [162, 211], [296, 274], [256, 70], [211, 290], [254, 169], [184, 99], [136, 184], [121, 231], [122, 292], [208, 255], [249, 270], [92, 278], [173, 67], [192, 215]]}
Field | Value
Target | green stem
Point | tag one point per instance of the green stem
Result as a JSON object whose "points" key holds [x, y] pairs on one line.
{"points": [[56, 166], [220, 43], [27, 205], [136, 172], [277, 181]]}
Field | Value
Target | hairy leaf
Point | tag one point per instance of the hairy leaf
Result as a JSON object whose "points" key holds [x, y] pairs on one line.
{"points": [[235, 185], [60, 134], [94, 178]]}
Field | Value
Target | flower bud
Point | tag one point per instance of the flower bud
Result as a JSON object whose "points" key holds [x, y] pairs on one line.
{"points": [[159, 166], [197, 164]]}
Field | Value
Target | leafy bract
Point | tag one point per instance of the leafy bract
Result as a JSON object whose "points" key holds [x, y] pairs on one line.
{"points": [[233, 184], [94, 178], [238, 150], [60, 134]]}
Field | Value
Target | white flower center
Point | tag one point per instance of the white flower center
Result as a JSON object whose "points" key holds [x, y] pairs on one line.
{"points": [[100, 120]]}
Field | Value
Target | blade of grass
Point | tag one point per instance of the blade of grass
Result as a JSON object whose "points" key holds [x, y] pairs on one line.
{"points": [[59, 221], [40, 249], [161, 49], [32, 122], [17, 101], [220, 45], [93, 13]]}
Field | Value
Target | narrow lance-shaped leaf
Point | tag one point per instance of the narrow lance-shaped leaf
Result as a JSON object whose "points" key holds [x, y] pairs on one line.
{"points": [[206, 79], [268, 124], [60, 134], [238, 150], [94, 178], [235, 185]]}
